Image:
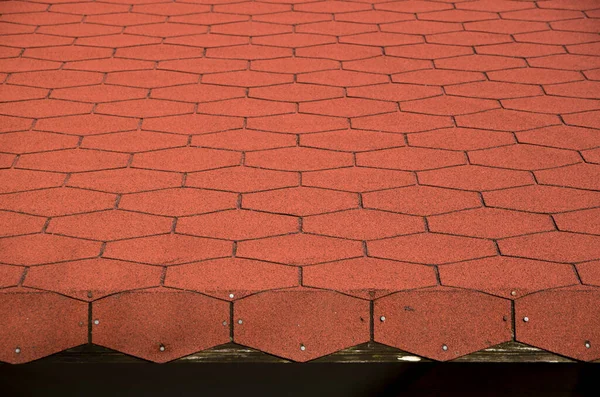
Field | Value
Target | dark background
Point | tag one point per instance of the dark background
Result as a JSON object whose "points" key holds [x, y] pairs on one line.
{"points": [[291, 380]]}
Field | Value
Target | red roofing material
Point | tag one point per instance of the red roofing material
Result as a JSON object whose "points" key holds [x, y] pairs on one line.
{"points": [[174, 165], [565, 321], [442, 323]]}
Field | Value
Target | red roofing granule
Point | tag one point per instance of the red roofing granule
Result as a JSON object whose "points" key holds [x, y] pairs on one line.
{"points": [[175, 165]]}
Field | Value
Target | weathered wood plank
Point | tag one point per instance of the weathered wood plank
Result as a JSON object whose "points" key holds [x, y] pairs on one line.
{"points": [[370, 352]]}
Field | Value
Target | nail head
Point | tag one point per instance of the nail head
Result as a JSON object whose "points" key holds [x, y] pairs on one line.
{"points": [[240, 321], [587, 344], [513, 293], [17, 350], [302, 347], [96, 322], [161, 348], [444, 347], [525, 319], [231, 296], [382, 318]]}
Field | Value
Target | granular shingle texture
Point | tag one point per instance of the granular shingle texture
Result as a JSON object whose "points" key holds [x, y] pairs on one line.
{"points": [[299, 176]]}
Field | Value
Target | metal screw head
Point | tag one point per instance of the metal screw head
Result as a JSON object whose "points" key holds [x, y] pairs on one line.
{"points": [[525, 319], [18, 350], [231, 296], [382, 318], [444, 347], [513, 293], [302, 347], [240, 321], [224, 323], [89, 294], [96, 322], [161, 348], [587, 344]]}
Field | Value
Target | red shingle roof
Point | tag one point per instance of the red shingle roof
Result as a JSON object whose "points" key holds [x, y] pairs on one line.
{"points": [[299, 177]]}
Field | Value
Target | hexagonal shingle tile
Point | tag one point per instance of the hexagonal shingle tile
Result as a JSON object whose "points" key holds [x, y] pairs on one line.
{"points": [[99, 93], [524, 157], [431, 248], [553, 325], [56, 78], [193, 124], [583, 221], [442, 323], [92, 279], [352, 140], [313, 323], [298, 159], [73, 160], [480, 63], [185, 159], [223, 278], [134, 141], [368, 278], [401, 122], [297, 123], [300, 201], [386, 65], [540, 198], [458, 138], [421, 200], [48, 249], [553, 246], [125, 180], [150, 78], [244, 140], [357, 179], [506, 120], [89, 124], [339, 52], [160, 324], [362, 224], [109, 225], [142, 108], [475, 177], [507, 277], [490, 223], [347, 107], [295, 92], [14, 180], [238, 225], [178, 201], [428, 51], [242, 179], [449, 105], [246, 78], [561, 136], [394, 92], [582, 176], [299, 249], [158, 52], [410, 159], [198, 93], [167, 249], [494, 90], [30, 330], [42, 108]]}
